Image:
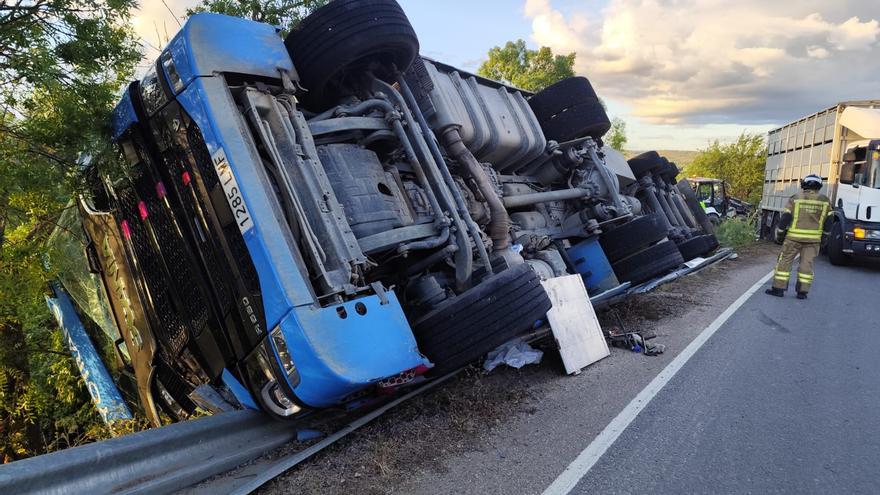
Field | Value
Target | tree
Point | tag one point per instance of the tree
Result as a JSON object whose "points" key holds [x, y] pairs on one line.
{"points": [[740, 164], [532, 70], [62, 63], [616, 136], [283, 13]]}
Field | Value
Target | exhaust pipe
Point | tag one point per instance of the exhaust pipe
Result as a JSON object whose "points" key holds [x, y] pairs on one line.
{"points": [[499, 223]]}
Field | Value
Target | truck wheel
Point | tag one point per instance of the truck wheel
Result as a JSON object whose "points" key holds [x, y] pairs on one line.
{"points": [[646, 162], [648, 263], [670, 172], [559, 96], [684, 187], [697, 246], [835, 246], [627, 239], [577, 121], [338, 43], [497, 310]]}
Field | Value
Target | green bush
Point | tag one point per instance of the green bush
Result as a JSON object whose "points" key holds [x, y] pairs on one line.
{"points": [[735, 232]]}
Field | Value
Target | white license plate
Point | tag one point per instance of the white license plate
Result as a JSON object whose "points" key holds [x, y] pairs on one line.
{"points": [[232, 191]]}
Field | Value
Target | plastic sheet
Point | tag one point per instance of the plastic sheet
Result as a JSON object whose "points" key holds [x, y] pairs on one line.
{"points": [[516, 354]]}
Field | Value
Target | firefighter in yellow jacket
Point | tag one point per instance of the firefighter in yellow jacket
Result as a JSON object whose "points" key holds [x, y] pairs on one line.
{"points": [[803, 218]]}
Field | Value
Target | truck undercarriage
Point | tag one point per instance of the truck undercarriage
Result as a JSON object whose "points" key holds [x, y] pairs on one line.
{"points": [[308, 222]]}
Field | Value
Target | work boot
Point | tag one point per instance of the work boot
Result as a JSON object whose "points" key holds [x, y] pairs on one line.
{"points": [[773, 291], [802, 295]]}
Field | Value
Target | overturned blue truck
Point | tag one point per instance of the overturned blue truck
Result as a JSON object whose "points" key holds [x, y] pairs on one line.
{"points": [[306, 222]]}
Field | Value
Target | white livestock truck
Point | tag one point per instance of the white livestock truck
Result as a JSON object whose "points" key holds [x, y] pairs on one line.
{"points": [[841, 145]]}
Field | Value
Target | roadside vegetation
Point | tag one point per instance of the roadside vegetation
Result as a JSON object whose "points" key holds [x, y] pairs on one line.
{"points": [[736, 232], [62, 66], [739, 163]]}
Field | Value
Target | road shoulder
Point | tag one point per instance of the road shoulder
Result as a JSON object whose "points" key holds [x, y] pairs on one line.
{"points": [[514, 431]]}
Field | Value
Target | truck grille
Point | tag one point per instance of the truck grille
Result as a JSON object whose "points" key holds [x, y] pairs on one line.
{"points": [[233, 236], [171, 331], [174, 254]]}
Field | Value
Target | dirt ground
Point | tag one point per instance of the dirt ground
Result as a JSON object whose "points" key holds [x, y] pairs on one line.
{"points": [[417, 438]]}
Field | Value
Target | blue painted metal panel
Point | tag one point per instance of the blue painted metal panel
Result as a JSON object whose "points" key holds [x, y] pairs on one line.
{"points": [[106, 397], [213, 43], [123, 116], [238, 390], [335, 357], [590, 261], [338, 356], [281, 284]]}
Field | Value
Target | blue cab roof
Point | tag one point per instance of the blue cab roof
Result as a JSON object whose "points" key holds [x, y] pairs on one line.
{"points": [[209, 44]]}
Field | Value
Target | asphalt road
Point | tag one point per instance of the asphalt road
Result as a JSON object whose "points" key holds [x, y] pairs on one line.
{"points": [[526, 452], [784, 398]]}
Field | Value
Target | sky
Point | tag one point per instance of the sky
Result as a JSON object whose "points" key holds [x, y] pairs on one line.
{"points": [[681, 73]]}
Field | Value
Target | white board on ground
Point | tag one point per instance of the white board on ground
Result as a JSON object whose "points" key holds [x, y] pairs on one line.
{"points": [[574, 323]]}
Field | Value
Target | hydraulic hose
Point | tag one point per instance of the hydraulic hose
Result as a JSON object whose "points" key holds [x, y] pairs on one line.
{"points": [[499, 222], [464, 262]]}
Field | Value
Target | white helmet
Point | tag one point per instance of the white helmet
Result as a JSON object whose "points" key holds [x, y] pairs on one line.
{"points": [[811, 181]]}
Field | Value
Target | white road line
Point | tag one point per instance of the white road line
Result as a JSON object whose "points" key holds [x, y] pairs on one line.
{"points": [[590, 455]]}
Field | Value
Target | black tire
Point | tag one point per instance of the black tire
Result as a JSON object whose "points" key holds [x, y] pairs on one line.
{"points": [[339, 42], [690, 199], [560, 96], [835, 246], [627, 239], [648, 263], [495, 311], [581, 120], [646, 162], [697, 246], [669, 172]]}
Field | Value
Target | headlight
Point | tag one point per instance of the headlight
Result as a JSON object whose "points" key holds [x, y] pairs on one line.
{"points": [[264, 378], [284, 356], [275, 399], [863, 233]]}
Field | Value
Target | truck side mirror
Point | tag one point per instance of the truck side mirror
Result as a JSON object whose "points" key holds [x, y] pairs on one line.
{"points": [[849, 156], [847, 172]]}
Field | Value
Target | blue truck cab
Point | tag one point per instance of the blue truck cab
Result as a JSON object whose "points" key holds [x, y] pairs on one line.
{"points": [[239, 281], [316, 221]]}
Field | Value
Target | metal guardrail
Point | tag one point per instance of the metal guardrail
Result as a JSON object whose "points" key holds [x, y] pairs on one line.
{"points": [[156, 461], [177, 456]]}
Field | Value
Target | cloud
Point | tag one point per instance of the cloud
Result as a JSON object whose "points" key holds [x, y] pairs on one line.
{"points": [[716, 61]]}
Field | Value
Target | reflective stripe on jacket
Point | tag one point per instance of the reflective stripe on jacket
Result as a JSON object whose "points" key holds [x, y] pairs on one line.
{"points": [[809, 210]]}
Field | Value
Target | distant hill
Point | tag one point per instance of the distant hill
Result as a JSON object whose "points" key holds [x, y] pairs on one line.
{"points": [[682, 158]]}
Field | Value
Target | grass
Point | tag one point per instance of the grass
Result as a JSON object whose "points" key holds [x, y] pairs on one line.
{"points": [[735, 233]]}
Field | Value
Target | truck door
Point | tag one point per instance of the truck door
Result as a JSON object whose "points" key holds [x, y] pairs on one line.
{"points": [[853, 176], [869, 192]]}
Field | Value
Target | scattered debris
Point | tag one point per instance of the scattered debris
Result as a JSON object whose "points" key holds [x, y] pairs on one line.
{"points": [[574, 324], [516, 354]]}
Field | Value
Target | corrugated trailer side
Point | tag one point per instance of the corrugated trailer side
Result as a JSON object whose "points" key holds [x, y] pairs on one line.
{"points": [[812, 145], [802, 147]]}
